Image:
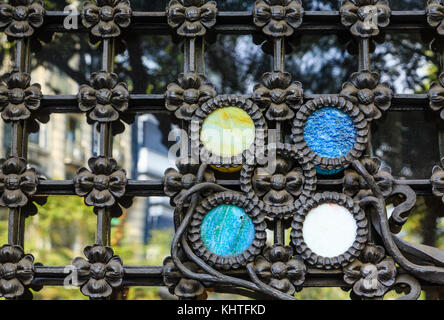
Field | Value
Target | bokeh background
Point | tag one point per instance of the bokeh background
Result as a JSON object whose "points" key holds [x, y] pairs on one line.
{"points": [[407, 141]]}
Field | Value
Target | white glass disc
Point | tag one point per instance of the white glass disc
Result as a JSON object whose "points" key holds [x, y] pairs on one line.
{"points": [[329, 230]]}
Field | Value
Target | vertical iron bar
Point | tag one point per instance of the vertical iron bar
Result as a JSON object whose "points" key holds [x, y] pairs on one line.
{"points": [[16, 223], [279, 232], [364, 54], [279, 65], [190, 55], [279, 54], [105, 147], [200, 55], [364, 65]]}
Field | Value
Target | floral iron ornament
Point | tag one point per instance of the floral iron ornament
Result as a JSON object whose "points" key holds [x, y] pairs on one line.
{"points": [[280, 269], [191, 18], [16, 271], [176, 183], [291, 179], [105, 101], [372, 275], [355, 185], [438, 180], [20, 18], [436, 95], [182, 287], [435, 15], [17, 183], [103, 186], [278, 95], [105, 18], [185, 96], [365, 17], [278, 18], [19, 100], [100, 273], [365, 91]]}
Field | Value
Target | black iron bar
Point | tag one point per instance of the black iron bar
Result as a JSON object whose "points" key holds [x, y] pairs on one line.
{"points": [[155, 103], [153, 276], [279, 54], [19, 142], [241, 22], [105, 148], [146, 188]]}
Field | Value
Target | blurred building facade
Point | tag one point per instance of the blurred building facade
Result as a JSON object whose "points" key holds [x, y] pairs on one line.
{"points": [[151, 161], [67, 141]]}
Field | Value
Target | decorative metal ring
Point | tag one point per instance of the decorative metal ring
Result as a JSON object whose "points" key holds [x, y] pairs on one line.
{"points": [[252, 208], [359, 122], [221, 101], [343, 259], [291, 154]]}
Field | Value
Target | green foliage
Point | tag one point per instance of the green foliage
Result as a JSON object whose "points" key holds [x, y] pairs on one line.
{"points": [[60, 230]]}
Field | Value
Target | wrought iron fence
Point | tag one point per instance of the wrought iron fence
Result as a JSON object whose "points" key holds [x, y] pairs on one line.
{"points": [[320, 153]]}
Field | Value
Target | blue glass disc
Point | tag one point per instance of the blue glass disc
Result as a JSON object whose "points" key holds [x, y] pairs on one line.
{"points": [[327, 172], [330, 133], [227, 230]]}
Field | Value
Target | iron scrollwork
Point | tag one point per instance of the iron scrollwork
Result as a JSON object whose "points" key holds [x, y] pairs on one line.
{"points": [[376, 263]]}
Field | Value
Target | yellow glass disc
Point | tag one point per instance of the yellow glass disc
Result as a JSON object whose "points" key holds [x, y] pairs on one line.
{"points": [[226, 170], [227, 132]]}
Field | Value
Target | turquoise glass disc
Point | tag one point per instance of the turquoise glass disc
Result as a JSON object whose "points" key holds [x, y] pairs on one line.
{"points": [[330, 133], [327, 172], [227, 230]]}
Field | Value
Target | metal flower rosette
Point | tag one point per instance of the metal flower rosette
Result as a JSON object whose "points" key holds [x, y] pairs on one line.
{"points": [[309, 200], [276, 190]]}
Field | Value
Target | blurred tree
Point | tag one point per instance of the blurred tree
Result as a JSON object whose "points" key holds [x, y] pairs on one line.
{"points": [[321, 62]]}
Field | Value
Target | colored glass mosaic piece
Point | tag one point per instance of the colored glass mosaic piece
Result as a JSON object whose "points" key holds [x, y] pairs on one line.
{"points": [[329, 230], [227, 230], [227, 132], [327, 172], [227, 170], [330, 133]]}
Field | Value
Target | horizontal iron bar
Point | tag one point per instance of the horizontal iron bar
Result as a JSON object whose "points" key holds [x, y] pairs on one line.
{"points": [[241, 22], [154, 103], [147, 188], [153, 276]]}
